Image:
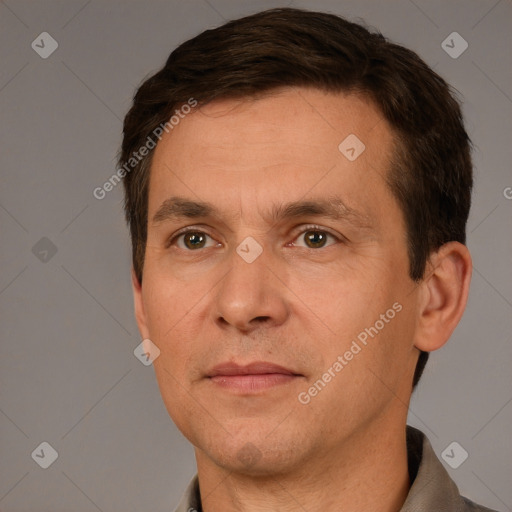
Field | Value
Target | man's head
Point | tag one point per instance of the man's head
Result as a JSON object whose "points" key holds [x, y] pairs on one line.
{"points": [[324, 175]]}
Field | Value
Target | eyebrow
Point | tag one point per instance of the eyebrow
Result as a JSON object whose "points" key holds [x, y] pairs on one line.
{"points": [[175, 208], [334, 208]]}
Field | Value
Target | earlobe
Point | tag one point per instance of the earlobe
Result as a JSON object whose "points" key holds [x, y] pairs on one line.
{"points": [[140, 315], [443, 295]]}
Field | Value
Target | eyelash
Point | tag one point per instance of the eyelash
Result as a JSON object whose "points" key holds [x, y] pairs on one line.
{"points": [[310, 227]]}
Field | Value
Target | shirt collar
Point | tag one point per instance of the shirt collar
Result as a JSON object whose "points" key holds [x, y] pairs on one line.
{"points": [[432, 488]]}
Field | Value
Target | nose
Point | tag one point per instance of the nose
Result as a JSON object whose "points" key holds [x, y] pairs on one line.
{"points": [[251, 295]]}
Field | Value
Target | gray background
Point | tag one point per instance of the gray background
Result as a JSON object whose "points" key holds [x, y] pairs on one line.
{"points": [[68, 375]]}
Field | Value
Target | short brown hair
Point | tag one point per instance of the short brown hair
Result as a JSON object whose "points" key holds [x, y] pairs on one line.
{"points": [[431, 173]]}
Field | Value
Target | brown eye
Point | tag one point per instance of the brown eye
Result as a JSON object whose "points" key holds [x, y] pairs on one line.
{"points": [[194, 240], [315, 239]]}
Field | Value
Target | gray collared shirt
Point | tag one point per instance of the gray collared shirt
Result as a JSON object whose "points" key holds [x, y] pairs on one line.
{"points": [[432, 489]]}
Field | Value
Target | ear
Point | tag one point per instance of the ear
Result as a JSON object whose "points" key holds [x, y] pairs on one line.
{"points": [[443, 295], [140, 314]]}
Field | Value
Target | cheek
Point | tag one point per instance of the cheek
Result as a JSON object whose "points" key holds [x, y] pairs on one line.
{"points": [[365, 314], [389, 352], [345, 296], [167, 298], [167, 307]]}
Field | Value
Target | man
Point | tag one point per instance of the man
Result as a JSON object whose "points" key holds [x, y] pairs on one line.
{"points": [[298, 250]]}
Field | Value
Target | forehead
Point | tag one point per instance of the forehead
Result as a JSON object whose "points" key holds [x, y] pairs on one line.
{"points": [[287, 145]]}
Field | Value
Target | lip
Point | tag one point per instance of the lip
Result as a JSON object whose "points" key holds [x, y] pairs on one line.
{"points": [[256, 368], [250, 378]]}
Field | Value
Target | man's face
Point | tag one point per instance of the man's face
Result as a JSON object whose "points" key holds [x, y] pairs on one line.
{"points": [[268, 176]]}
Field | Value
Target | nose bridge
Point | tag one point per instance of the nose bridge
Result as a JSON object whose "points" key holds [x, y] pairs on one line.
{"points": [[250, 293]]}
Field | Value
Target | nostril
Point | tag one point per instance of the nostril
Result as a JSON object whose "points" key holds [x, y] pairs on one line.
{"points": [[260, 319]]}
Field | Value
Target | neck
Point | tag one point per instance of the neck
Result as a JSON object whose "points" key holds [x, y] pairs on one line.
{"points": [[369, 472]]}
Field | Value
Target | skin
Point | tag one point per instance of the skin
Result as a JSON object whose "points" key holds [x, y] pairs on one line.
{"points": [[295, 305]]}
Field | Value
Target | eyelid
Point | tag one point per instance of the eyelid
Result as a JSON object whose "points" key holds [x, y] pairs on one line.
{"points": [[315, 227], [194, 229]]}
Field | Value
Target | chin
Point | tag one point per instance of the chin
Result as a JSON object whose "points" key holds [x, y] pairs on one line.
{"points": [[255, 456]]}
